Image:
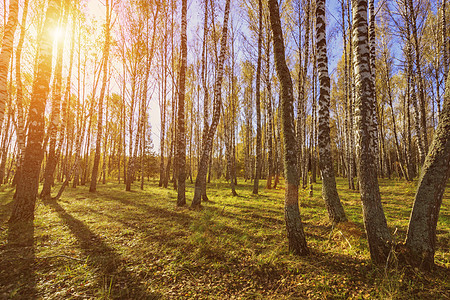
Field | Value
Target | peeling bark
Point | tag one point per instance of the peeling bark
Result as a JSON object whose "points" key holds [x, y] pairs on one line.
{"points": [[375, 223], [334, 206]]}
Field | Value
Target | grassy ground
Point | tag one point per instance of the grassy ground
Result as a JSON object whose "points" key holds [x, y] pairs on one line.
{"points": [[139, 245]]}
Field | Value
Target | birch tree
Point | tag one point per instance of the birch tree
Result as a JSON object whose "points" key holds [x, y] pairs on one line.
{"points": [[329, 191], [27, 187], [52, 132], [421, 236], [294, 226], [445, 43], [258, 103], [20, 129], [6, 54], [105, 56], [200, 182], [181, 147], [411, 19], [375, 223]]}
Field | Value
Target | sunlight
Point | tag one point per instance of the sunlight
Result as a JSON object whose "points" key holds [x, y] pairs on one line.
{"points": [[219, 149], [57, 33]]}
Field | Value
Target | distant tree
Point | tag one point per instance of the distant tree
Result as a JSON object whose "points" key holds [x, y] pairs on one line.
{"points": [[204, 71], [412, 24], [163, 98], [52, 132], [258, 103], [347, 130], [302, 163], [271, 161], [387, 79], [229, 121], [409, 51], [105, 57], [247, 78]]}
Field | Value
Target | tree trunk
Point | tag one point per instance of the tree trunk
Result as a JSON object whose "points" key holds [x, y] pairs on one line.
{"points": [[93, 184], [205, 77], [375, 223], [394, 124], [27, 188], [294, 226], [229, 125], [335, 210], [19, 92], [6, 54], [278, 147], [409, 163], [76, 163], [412, 93], [270, 127], [169, 164], [7, 134], [445, 42], [348, 138], [421, 236], [52, 158], [181, 149], [162, 106], [258, 106], [422, 113], [372, 58], [200, 182], [228, 128], [351, 102], [105, 142]]}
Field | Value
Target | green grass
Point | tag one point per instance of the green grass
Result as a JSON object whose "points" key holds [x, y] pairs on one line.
{"points": [[139, 245]]}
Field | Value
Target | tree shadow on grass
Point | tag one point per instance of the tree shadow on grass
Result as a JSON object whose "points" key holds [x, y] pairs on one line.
{"points": [[108, 262], [250, 208], [18, 263], [153, 211], [172, 238], [138, 223]]}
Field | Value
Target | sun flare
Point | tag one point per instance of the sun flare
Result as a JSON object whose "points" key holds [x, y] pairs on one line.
{"points": [[57, 33]]}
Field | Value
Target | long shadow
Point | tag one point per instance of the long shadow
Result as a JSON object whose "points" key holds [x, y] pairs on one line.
{"points": [[154, 211], [253, 218], [108, 262], [18, 263], [137, 223], [360, 271], [249, 208], [172, 238]]}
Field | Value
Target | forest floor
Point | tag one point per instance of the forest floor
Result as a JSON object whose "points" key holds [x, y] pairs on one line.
{"points": [[139, 245]]}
